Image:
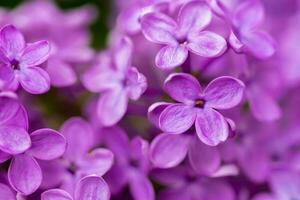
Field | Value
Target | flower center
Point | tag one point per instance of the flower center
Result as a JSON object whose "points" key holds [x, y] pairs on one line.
{"points": [[15, 64], [199, 103]]}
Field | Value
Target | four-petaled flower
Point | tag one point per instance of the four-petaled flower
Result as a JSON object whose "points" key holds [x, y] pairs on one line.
{"points": [[197, 106], [19, 61], [185, 35]]}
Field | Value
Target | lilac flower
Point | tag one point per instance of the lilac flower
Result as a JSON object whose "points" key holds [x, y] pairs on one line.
{"points": [[182, 183], [24, 173], [187, 34], [117, 80], [88, 188], [81, 159], [19, 61], [131, 165], [6, 193], [197, 106], [245, 34]]}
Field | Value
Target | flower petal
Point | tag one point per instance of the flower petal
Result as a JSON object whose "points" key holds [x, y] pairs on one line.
{"points": [[194, 17], [211, 127], [260, 44], [34, 80], [6, 75], [24, 174], [204, 159], [6, 193], [168, 150], [56, 194], [177, 118], [92, 188], [154, 112], [140, 186], [35, 54], [224, 92], [122, 54], [14, 140], [262, 105], [98, 162], [170, 57], [61, 74], [8, 109], [47, 144], [112, 107], [207, 44], [136, 83], [11, 41], [263, 196], [4, 156], [74, 129], [183, 87], [158, 28], [248, 15]]}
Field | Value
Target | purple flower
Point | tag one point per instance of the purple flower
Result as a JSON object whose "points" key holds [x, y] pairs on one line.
{"points": [[117, 80], [19, 61], [6, 193], [24, 173], [88, 188], [131, 165], [187, 34], [197, 106], [245, 34], [81, 159]]}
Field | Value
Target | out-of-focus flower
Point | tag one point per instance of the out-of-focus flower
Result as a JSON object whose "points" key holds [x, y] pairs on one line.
{"points": [[19, 61], [187, 34], [131, 165], [89, 187], [197, 106], [117, 80]]}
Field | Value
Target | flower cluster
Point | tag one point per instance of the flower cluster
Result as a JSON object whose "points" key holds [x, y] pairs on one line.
{"points": [[189, 100]]}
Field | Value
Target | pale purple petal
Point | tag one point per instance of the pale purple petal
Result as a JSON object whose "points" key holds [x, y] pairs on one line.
{"points": [[136, 83], [34, 80], [56, 194], [168, 150], [92, 188], [140, 186], [17, 119], [207, 44], [260, 44], [24, 174], [262, 105], [248, 15], [255, 164], [98, 162], [158, 28], [8, 109], [183, 87], [74, 130], [35, 54], [154, 112], [11, 41], [6, 193], [47, 144], [193, 17], [112, 107], [6, 75], [118, 142], [216, 189], [170, 57], [224, 92], [211, 127], [175, 194], [61, 74], [122, 54], [14, 140], [204, 159], [177, 118]]}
